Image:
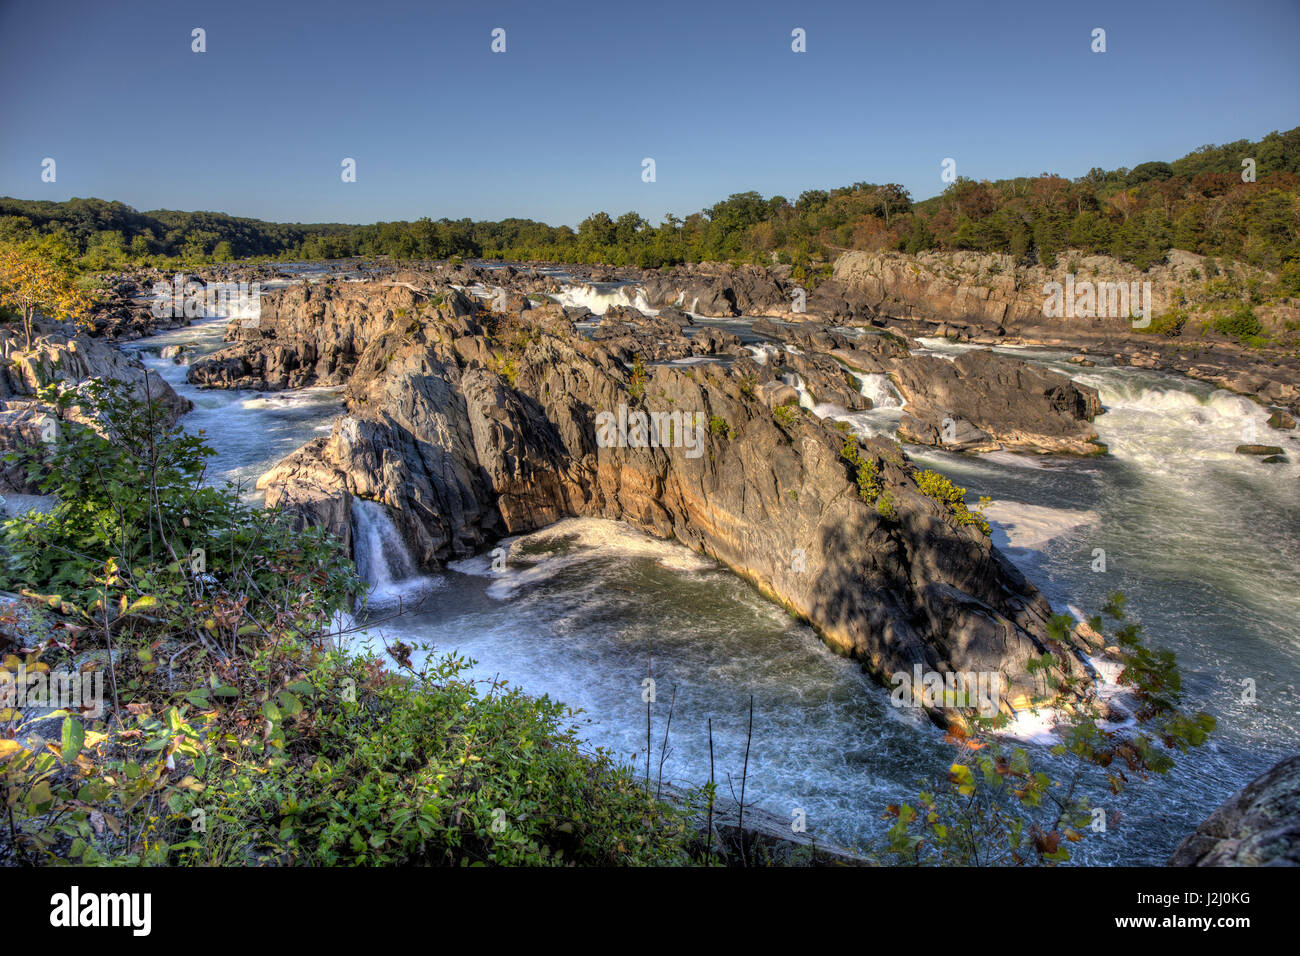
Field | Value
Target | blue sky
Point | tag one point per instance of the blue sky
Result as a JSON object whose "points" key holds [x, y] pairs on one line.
{"points": [[557, 126]]}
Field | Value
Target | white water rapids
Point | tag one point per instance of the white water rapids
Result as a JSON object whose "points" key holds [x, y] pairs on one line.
{"points": [[1205, 543]]}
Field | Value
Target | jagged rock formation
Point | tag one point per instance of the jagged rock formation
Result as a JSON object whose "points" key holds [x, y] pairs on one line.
{"points": [[310, 334], [469, 425], [982, 401], [1258, 825]]}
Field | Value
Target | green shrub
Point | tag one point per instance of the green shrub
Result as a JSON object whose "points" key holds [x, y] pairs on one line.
{"points": [[1289, 279], [942, 490], [636, 384], [867, 476], [786, 415], [885, 507], [421, 768], [1239, 323], [135, 496], [1170, 324]]}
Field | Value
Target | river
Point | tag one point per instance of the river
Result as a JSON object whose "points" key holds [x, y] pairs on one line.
{"points": [[1205, 543]]}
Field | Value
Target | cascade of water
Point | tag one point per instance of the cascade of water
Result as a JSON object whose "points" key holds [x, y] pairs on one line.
{"points": [[880, 390], [600, 301], [382, 558]]}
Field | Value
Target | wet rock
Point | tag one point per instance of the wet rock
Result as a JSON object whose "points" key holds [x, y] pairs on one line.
{"points": [[983, 401], [1281, 421], [1258, 450], [1259, 825]]}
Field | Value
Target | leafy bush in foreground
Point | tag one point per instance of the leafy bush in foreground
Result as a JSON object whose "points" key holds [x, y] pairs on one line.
{"points": [[236, 731]]}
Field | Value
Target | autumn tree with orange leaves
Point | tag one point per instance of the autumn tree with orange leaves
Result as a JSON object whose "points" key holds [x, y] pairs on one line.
{"points": [[31, 282]]}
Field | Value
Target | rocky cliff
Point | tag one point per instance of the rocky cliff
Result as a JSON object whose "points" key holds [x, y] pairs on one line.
{"points": [[470, 425]]}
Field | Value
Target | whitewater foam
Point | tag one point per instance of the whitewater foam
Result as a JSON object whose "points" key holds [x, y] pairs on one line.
{"points": [[540, 556], [383, 560]]}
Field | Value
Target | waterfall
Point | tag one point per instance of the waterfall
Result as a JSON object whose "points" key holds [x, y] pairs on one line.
{"points": [[600, 301], [382, 559], [805, 396], [877, 387]]}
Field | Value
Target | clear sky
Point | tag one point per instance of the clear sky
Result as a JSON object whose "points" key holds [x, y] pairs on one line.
{"points": [[556, 127]]}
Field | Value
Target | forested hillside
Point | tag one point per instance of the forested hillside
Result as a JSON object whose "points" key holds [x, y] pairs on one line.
{"points": [[1201, 203]]}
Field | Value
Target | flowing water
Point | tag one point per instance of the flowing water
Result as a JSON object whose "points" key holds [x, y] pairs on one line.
{"points": [[250, 431], [1204, 542]]}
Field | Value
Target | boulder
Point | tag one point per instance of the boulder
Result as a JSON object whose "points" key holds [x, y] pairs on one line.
{"points": [[1281, 421], [1258, 825], [983, 401]]}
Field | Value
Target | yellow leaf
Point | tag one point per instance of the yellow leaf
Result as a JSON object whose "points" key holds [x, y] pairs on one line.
{"points": [[10, 747]]}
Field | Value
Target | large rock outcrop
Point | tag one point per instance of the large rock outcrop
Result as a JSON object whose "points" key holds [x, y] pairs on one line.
{"points": [[470, 426], [992, 290], [983, 401], [312, 334], [1258, 825], [64, 360]]}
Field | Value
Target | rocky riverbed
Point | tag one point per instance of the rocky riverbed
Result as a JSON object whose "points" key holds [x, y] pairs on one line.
{"points": [[470, 424], [471, 416]]}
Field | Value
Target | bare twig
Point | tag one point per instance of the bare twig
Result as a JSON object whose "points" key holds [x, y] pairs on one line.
{"points": [[663, 748]]}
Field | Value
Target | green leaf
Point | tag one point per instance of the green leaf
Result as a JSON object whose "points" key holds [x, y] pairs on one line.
{"points": [[139, 604], [74, 735]]}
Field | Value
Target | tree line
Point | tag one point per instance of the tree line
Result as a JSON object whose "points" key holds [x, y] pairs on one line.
{"points": [[1206, 202]]}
